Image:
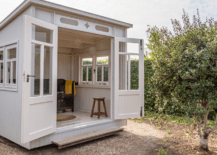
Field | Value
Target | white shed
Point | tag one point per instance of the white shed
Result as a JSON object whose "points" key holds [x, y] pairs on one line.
{"points": [[42, 42]]}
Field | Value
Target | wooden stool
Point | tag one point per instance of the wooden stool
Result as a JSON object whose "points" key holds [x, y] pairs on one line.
{"points": [[98, 113]]}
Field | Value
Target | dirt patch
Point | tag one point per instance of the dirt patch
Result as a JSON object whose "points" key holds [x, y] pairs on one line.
{"points": [[144, 138], [182, 139]]}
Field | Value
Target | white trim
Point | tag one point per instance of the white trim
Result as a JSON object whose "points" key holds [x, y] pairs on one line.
{"points": [[6, 46], [28, 3], [82, 125]]}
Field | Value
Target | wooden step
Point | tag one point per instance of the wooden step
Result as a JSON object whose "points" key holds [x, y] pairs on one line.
{"points": [[66, 142]]}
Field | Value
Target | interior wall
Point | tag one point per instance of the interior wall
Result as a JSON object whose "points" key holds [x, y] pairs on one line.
{"points": [[64, 63], [84, 99]]}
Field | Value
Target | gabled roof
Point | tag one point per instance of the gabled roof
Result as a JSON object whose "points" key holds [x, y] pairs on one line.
{"points": [[58, 7]]}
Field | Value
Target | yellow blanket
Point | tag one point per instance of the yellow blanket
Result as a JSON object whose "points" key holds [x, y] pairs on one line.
{"points": [[68, 87]]}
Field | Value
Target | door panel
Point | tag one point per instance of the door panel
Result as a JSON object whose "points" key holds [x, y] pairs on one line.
{"points": [[39, 79], [129, 78]]}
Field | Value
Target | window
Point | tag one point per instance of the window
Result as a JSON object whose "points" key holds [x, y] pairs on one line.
{"points": [[8, 66], [11, 65], [95, 70], [86, 70], [128, 66], [102, 67], [1, 67]]}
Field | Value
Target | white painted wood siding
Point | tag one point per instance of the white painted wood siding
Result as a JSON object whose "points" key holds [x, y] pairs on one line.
{"points": [[11, 102]]}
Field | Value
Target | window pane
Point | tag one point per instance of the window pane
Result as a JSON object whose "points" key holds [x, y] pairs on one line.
{"points": [[134, 72], [128, 47], [35, 70], [87, 61], [89, 73], [105, 73], [1, 55], [48, 70], [14, 72], [99, 74], [8, 72], [102, 60], [12, 53], [42, 34], [84, 74], [1, 72], [123, 72]]}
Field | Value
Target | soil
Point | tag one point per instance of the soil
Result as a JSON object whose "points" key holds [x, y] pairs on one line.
{"points": [[144, 138]]}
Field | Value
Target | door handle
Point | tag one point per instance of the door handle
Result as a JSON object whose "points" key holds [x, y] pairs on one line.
{"points": [[28, 76]]}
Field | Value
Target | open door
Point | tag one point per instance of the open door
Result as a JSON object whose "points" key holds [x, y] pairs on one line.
{"points": [[129, 78], [39, 79]]}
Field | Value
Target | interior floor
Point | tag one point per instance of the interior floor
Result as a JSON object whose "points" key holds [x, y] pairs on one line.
{"points": [[81, 117]]}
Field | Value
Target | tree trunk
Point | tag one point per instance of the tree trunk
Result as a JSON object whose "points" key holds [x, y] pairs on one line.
{"points": [[204, 141]]}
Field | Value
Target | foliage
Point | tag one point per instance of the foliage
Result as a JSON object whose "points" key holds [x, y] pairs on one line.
{"points": [[172, 119], [162, 152], [185, 66]]}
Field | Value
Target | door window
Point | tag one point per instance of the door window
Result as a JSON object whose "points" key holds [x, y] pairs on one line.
{"points": [[42, 34], [128, 66]]}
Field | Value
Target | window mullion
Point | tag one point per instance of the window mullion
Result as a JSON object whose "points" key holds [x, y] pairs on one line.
{"points": [[11, 72], [129, 72], [86, 74], [102, 74]]}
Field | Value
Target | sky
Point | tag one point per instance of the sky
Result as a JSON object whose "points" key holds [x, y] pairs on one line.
{"points": [[140, 13]]}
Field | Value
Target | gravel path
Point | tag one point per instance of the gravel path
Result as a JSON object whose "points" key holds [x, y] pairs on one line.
{"points": [[137, 138]]}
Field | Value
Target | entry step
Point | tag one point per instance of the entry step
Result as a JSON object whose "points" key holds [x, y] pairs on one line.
{"points": [[70, 141]]}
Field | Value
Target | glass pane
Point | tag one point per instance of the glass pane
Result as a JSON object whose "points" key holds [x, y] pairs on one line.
{"points": [[48, 70], [84, 74], [8, 72], [87, 61], [12, 53], [89, 73], [14, 72], [42, 34], [1, 72], [99, 74], [105, 73], [35, 70], [1, 55], [123, 72], [102, 60], [128, 47], [134, 72]]}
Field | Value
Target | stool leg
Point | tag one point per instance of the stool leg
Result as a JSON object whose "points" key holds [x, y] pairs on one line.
{"points": [[92, 108], [105, 108], [98, 108]]}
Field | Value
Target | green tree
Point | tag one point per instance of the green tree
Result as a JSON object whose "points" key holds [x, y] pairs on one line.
{"points": [[185, 65]]}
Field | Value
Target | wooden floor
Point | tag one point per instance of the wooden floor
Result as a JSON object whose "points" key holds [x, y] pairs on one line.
{"points": [[81, 117]]}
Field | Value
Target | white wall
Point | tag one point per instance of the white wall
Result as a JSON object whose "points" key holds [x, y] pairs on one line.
{"points": [[64, 63], [11, 102]]}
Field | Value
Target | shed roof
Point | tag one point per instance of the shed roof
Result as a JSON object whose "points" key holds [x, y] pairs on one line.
{"points": [[58, 7]]}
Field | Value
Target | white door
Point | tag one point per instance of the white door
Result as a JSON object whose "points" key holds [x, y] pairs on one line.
{"points": [[39, 79], [129, 78]]}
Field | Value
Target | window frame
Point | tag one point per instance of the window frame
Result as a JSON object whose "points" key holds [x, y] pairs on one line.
{"points": [[10, 45], [94, 71], [87, 66], [102, 83], [2, 62]]}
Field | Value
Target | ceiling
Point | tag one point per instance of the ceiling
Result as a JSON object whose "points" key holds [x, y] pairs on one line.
{"points": [[76, 39]]}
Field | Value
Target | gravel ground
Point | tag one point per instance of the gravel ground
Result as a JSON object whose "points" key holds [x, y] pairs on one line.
{"points": [[137, 138]]}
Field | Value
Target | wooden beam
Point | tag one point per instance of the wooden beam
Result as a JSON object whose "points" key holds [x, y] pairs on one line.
{"points": [[69, 44], [76, 38]]}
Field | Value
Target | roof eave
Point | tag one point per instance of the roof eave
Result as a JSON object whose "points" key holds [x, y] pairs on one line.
{"points": [[28, 3]]}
